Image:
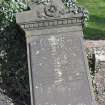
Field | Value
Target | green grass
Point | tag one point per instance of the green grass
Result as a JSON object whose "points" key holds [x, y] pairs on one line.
{"points": [[96, 24]]}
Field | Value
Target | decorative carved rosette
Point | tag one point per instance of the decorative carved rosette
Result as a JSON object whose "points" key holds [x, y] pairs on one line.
{"points": [[51, 11]]}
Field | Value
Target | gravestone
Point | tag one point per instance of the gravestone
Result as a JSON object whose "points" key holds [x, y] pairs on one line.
{"points": [[58, 69]]}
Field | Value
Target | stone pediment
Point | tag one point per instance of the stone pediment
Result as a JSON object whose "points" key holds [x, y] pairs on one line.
{"points": [[49, 9], [45, 13]]}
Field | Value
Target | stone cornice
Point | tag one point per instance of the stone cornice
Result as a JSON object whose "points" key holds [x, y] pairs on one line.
{"points": [[51, 23]]}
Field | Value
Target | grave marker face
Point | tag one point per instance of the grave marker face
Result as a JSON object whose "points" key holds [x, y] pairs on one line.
{"points": [[57, 63]]}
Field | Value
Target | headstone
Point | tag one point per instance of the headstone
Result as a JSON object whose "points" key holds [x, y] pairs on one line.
{"points": [[57, 62]]}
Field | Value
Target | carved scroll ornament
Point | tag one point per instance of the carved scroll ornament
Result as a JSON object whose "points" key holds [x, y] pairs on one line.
{"points": [[49, 9]]}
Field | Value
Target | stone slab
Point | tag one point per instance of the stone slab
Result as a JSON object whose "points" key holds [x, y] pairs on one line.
{"points": [[58, 70]]}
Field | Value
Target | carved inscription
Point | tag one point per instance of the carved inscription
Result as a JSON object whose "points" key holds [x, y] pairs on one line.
{"points": [[58, 71]]}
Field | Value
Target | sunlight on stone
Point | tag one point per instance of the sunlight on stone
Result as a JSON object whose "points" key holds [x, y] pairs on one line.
{"points": [[40, 64], [77, 74], [59, 73], [52, 40], [37, 52], [36, 87]]}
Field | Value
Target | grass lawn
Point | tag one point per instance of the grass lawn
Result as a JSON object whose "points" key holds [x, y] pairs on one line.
{"points": [[96, 24]]}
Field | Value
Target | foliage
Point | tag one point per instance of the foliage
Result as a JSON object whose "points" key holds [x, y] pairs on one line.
{"points": [[8, 8], [72, 5], [13, 60], [91, 60]]}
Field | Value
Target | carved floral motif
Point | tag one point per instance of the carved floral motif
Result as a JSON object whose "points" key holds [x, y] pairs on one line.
{"points": [[49, 9]]}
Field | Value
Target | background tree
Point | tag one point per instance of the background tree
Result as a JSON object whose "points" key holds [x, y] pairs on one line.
{"points": [[13, 59]]}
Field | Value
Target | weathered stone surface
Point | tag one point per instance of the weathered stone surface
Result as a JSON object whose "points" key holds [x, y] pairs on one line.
{"points": [[58, 68]]}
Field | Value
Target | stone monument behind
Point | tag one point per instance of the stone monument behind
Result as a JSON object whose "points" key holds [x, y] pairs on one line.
{"points": [[58, 68]]}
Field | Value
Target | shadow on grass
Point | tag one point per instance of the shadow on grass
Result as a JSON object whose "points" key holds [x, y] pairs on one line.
{"points": [[97, 19], [93, 34], [103, 0]]}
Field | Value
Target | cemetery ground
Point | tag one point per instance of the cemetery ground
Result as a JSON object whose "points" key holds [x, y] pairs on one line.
{"points": [[96, 57], [95, 30], [96, 25]]}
